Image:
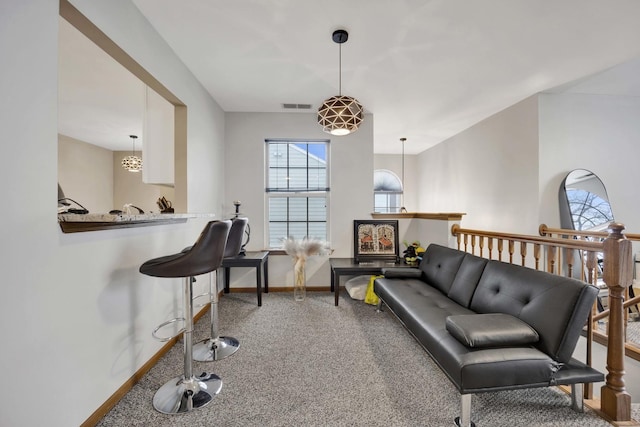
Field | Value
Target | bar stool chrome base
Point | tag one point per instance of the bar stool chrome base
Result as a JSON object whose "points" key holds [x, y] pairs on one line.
{"points": [[215, 347], [180, 395], [212, 349]]}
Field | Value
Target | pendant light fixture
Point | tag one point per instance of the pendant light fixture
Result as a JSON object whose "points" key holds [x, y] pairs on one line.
{"points": [[340, 115], [132, 163]]}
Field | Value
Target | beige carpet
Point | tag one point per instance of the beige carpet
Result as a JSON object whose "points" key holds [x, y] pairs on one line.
{"points": [[314, 364]]}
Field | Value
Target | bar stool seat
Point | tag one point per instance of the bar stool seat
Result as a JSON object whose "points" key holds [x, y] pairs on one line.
{"points": [[188, 392]]}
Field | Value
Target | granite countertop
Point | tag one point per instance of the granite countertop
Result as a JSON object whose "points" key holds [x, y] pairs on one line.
{"points": [[74, 223], [105, 217]]}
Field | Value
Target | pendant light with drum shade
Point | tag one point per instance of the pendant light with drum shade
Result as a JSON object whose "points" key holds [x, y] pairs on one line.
{"points": [[340, 115], [132, 163]]}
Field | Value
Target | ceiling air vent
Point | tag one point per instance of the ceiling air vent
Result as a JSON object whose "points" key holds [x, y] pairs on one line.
{"points": [[296, 106]]}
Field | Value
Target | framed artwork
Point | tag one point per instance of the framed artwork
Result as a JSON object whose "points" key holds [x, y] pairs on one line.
{"points": [[375, 240]]}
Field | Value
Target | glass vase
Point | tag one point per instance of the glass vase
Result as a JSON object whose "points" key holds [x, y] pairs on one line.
{"points": [[299, 282]]}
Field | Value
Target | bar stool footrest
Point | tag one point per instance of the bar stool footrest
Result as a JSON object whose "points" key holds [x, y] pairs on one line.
{"points": [[208, 302], [165, 324]]}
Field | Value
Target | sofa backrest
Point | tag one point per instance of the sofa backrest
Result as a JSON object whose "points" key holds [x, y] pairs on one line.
{"points": [[439, 266], [556, 307], [466, 280]]}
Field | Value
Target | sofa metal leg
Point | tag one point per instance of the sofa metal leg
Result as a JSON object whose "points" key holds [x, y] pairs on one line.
{"points": [[464, 420], [379, 306], [577, 397]]}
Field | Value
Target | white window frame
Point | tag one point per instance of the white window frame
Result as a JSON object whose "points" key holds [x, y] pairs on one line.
{"points": [[292, 194], [394, 187]]}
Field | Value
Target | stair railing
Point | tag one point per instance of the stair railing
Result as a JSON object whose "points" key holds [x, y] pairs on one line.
{"points": [[631, 349]]}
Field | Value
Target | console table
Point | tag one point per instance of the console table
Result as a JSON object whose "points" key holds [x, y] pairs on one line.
{"points": [[348, 267], [257, 260]]}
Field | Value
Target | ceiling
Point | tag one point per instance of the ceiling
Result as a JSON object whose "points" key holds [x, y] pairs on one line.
{"points": [[426, 69]]}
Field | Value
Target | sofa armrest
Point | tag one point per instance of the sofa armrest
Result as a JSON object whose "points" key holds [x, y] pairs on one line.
{"points": [[402, 273]]}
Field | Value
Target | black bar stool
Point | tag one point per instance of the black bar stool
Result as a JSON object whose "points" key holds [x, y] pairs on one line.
{"points": [[217, 347], [188, 392]]}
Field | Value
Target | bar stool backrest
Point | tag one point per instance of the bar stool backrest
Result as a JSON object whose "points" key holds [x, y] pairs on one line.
{"points": [[203, 257], [236, 235]]}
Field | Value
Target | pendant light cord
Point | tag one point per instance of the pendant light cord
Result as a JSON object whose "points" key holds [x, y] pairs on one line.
{"points": [[403, 165], [340, 69], [133, 144], [402, 207]]}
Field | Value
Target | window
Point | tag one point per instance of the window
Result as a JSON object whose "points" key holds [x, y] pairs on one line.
{"points": [[387, 191], [297, 190]]}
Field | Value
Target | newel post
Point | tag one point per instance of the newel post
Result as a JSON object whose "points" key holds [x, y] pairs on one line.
{"points": [[616, 402]]}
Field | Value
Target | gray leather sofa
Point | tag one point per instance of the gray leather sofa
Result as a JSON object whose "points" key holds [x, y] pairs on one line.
{"points": [[490, 325]]}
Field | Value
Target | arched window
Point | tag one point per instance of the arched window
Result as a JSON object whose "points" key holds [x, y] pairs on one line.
{"points": [[387, 191]]}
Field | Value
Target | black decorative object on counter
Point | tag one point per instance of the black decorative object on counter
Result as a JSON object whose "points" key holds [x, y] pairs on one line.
{"points": [[164, 205], [247, 229]]}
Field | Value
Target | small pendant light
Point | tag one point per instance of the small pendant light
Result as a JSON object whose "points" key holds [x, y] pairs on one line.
{"points": [[132, 163]]}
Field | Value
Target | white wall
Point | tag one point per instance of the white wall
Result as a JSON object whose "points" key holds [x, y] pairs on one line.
{"points": [[489, 172], [85, 173], [505, 172], [595, 132], [351, 181], [77, 314]]}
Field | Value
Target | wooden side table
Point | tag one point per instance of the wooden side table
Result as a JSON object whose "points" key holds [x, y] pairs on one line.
{"points": [[348, 267]]}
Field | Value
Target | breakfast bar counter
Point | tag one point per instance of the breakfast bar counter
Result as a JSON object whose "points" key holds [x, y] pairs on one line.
{"points": [[74, 223]]}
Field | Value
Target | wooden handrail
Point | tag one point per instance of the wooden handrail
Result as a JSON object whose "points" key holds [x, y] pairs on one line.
{"points": [[524, 238], [545, 230], [560, 251], [628, 303]]}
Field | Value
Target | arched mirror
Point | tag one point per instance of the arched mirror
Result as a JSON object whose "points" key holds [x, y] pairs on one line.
{"points": [[584, 204]]}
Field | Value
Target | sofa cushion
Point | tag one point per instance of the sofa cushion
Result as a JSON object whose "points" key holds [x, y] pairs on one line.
{"points": [[421, 308], [440, 265], [490, 330], [466, 280]]}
